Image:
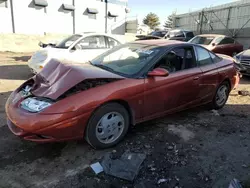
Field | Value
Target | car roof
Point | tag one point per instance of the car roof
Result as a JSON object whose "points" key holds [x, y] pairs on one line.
{"points": [[94, 33], [88, 34], [183, 30], [157, 42], [212, 35]]}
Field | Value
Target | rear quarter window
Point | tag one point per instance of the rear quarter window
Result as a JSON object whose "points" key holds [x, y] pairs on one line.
{"points": [[215, 58], [204, 57]]}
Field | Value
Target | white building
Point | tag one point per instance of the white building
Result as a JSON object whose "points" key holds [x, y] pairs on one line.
{"points": [[62, 16]]}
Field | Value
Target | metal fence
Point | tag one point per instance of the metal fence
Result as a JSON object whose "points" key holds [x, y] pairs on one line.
{"points": [[232, 19]]}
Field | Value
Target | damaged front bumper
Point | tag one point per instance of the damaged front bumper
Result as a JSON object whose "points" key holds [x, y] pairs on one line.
{"points": [[39, 127]]}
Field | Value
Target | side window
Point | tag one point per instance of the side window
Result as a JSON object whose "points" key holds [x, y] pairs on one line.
{"points": [[112, 42], [227, 41], [215, 58], [177, 59], [218, 40], [93, 42], [203, 56]]}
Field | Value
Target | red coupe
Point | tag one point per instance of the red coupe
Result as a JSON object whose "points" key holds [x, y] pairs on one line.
{"points": [[218, 44], [129, 84]]}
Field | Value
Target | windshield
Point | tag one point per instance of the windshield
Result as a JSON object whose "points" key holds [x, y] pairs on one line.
{"points": [[201, 40], [65, 43], [127, 59]]}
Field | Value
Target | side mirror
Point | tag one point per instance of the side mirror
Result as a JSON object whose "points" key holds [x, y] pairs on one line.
{"points": [[213, 44], [158, 72]]}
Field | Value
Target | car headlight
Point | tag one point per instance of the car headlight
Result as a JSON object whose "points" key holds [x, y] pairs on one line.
{"points": [[33, 104], [39, 57]]}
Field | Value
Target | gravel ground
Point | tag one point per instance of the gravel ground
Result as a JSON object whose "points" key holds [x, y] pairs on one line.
{"points": [[198, 148]]}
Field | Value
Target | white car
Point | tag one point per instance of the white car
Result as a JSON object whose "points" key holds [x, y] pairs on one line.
{"points": [[78, 47]]}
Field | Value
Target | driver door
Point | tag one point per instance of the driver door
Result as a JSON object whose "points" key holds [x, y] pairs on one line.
{"points": [[88, 48], [178, 90]]}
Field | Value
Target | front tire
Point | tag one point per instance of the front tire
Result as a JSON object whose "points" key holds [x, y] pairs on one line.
{"points": [[107, 126], [221, 96]]}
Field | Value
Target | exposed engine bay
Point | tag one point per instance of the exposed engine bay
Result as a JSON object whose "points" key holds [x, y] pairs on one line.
{"points": [[86, 84]]}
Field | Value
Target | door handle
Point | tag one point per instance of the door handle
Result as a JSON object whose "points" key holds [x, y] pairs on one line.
{"points": [[196, 78]]}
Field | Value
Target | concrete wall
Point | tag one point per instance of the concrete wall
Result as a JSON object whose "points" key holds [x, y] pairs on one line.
{"points": [[31, 19], [131, 26], [88, 22], [58, 20], [28, 18], [5, 15]]}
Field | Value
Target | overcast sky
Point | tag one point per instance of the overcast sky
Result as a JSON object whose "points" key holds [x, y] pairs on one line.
{"points": [[163, 8]]}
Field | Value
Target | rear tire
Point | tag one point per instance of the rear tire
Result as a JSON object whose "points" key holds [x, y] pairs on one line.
{"points": [[221, 96], [107, 126]]}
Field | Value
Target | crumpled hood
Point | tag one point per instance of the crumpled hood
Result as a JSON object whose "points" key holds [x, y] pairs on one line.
{"points": [[58, 77]]}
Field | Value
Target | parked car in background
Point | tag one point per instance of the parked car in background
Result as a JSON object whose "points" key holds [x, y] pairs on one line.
{"points": [[129, 84], [160, 33], [146, 37], [218, 44], [179, 34], [243, 62], [79, 47]]}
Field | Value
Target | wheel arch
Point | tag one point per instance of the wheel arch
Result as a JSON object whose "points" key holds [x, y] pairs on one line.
{"points": [[227, 80], [123, 103], [126, 105]]}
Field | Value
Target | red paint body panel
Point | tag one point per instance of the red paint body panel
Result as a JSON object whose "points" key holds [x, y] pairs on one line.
{"points": [[228, 49], [163, 94], [147, 98]]}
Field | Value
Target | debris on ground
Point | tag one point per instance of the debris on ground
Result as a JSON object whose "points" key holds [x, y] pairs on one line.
{"points": [[181, 131], [215, 112], [145, 184], [163, 180], [97, 168], [235, 184], [125, 167], [244, 93], [170, 147]]}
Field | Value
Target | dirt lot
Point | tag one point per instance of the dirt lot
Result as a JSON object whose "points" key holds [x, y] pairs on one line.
{"points": [[198, 148]]}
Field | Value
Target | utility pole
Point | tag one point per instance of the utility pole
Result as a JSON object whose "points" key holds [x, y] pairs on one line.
{"points": [[201, 21], [12, 16], [106, 16]]}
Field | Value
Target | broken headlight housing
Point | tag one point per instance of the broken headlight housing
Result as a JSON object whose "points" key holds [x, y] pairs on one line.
{"points": [[34, 104]]}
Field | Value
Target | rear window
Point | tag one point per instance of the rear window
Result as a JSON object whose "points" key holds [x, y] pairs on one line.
{"points": [[227, 41]]}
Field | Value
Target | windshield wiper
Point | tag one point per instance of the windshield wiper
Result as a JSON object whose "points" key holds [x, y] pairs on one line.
{"points": [[103, 67]]}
